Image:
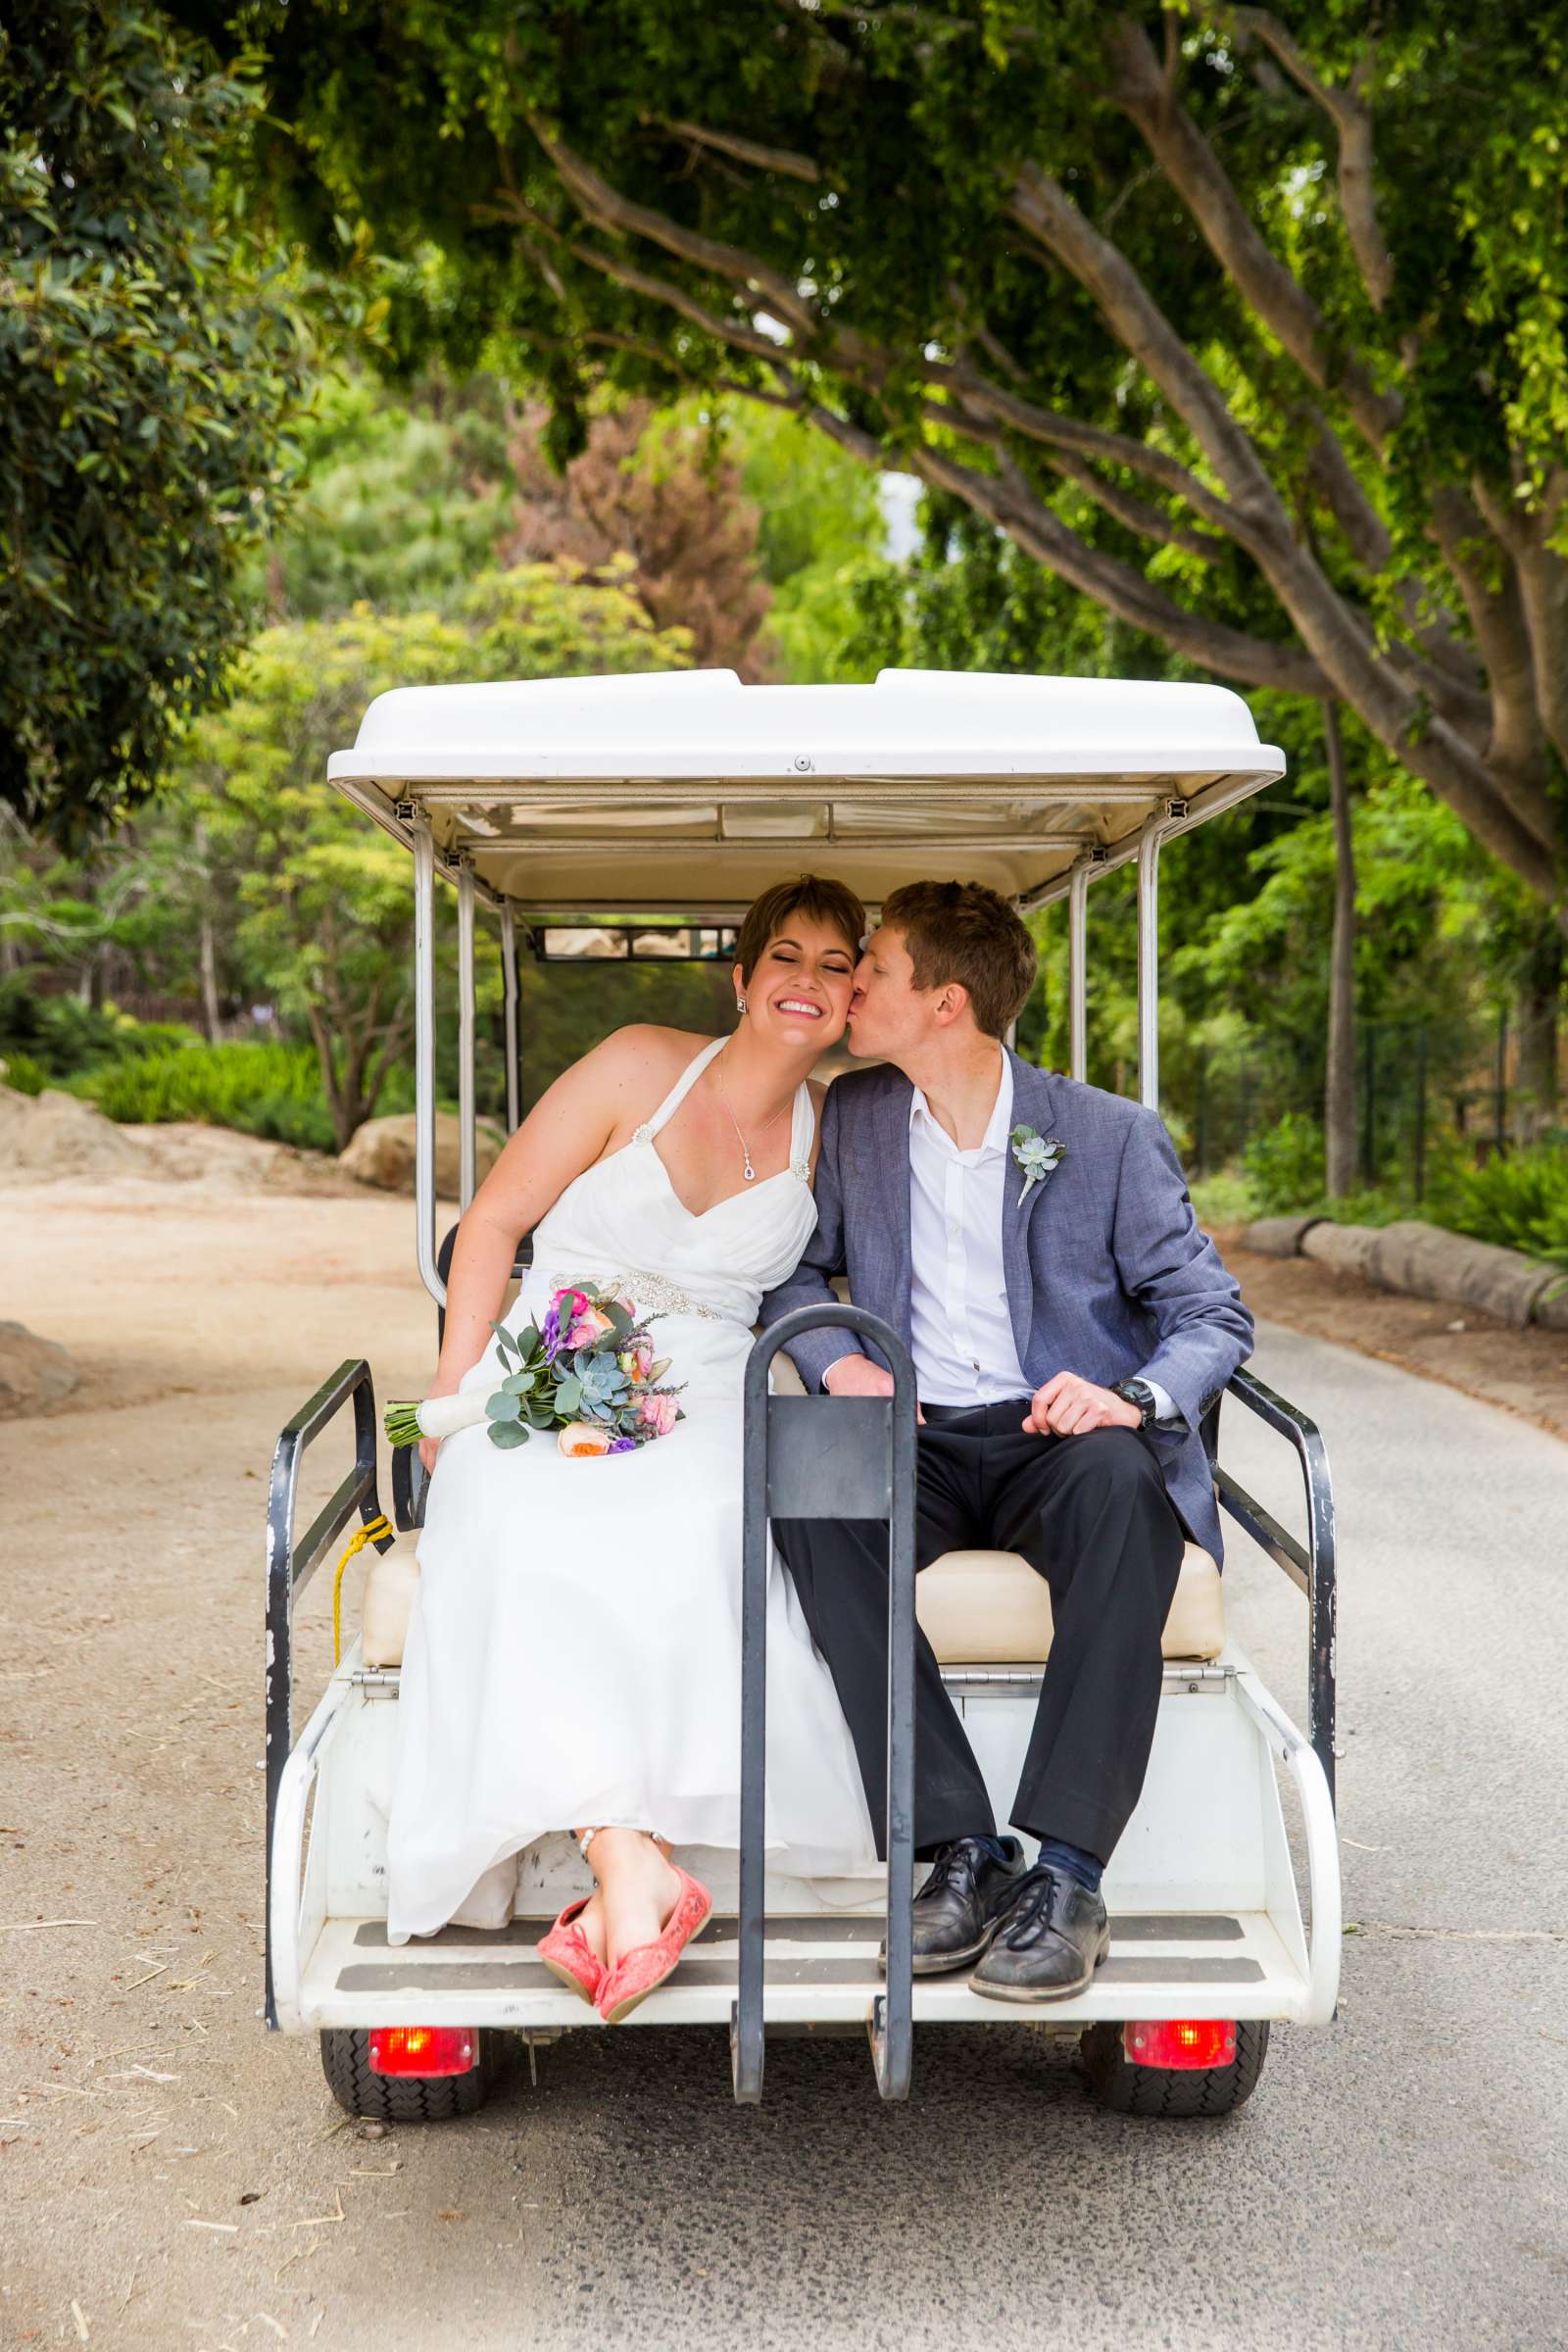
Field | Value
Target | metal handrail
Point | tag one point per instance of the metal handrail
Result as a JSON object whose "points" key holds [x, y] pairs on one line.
{"points": [[1312, 1567], [290, 1566], [893, 2011]]}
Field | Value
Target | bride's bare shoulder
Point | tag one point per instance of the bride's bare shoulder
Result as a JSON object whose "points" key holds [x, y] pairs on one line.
{"points": [[633, 1067]]}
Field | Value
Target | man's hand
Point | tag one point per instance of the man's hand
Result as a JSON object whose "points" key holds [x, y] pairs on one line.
{"points": [[858, 1375], [1069, 1406]]}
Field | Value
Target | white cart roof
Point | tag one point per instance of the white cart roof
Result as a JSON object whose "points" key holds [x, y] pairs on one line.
{"points": [[687, 791]]}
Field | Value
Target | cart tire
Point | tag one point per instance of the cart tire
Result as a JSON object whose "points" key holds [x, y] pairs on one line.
{"points": [[1116, 2084], [401, 2098]]}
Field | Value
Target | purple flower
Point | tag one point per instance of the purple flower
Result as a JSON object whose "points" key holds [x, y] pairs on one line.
{"points": [[622, 1445]]}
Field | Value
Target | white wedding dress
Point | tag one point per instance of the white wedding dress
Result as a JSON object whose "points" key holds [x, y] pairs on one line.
{"points": [[573, 1653]]}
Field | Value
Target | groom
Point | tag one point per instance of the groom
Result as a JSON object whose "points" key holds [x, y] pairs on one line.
{"points": [[1032, 1241]]}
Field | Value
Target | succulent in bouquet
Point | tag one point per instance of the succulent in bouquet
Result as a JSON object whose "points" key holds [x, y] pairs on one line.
{"points": [[587, 1370]]}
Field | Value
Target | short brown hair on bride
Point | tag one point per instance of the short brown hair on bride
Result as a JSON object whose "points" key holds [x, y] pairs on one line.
{"points": [[816, 896]]}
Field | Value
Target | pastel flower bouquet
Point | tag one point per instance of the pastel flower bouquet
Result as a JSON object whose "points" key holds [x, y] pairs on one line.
{"points": [[587, 1371]]}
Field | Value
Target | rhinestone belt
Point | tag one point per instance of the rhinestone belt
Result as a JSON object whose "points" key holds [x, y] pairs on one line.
{"points": [[652, 1294]]}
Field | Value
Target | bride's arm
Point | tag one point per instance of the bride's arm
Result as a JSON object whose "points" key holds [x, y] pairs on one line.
{"points": [[569, 1127]]}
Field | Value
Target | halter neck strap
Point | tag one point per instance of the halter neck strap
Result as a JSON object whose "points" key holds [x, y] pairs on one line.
{"points": [[682, 1086]]}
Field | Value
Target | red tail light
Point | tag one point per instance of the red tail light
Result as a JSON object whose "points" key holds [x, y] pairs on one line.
{"points": [[424, 2049], [1182, 2041]]}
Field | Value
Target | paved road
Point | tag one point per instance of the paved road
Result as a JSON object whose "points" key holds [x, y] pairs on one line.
{"points": [[1399, 2179]]}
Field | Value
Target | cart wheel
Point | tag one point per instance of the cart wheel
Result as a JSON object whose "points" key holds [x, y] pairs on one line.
{"points": [[1171, 2091], [403, 2098]]}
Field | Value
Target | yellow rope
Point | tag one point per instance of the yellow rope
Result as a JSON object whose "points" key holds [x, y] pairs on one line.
{"points": [[372, 1532]]}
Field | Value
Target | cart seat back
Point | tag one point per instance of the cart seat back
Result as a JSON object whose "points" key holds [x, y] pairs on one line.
{"points": [[976, 1608]]}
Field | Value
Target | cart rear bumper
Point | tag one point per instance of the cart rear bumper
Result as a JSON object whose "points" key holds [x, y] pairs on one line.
{"points": [[817, 1971]]}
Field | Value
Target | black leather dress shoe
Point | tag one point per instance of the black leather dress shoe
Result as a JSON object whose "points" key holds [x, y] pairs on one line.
{"points": [[956, 1910], [1047, 1944]]}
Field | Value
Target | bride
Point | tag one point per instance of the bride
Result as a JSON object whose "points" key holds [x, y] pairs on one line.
{"points": [[573, 1659]]}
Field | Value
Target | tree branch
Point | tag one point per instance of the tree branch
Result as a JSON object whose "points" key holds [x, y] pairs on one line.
{"points": [[1353, 122], [1270, 289], [1008, 503], [606, 207], [742, 151], [1053, 222]]}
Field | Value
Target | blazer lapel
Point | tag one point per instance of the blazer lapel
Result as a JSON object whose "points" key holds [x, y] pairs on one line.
{"points": [[893, 1169], [1034, 1106]]}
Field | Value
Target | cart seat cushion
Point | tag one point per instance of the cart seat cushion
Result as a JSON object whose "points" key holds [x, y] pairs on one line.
{"points": [[990, 1609], [388, 1601], [978, 1609]]}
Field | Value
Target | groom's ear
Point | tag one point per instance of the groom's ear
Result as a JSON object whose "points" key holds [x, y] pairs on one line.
{"points": [[949, 1004]]}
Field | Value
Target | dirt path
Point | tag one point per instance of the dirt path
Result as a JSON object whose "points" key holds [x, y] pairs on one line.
{"points": [[136, 2184]]}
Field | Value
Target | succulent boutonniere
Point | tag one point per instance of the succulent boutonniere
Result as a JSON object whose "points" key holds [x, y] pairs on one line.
{"points": [[1037, 1155]]}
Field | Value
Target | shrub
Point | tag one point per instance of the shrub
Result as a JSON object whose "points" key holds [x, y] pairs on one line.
{"points": [[1520, 1201], [266, 1089], [63, 1036], [24, 1075], [1283, 1165]]}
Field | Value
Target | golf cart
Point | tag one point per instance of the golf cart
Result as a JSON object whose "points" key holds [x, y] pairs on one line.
{"points": [[646, 811]]}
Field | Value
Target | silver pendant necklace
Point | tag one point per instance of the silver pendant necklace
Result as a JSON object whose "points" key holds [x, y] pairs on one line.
{"points": [[747, 1172]]}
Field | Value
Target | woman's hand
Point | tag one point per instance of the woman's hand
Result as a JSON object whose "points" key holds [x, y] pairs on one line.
{"points": [[430, 1447]]}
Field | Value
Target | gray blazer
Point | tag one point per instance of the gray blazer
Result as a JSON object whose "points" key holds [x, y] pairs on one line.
{"points": [[1107, 1273]]}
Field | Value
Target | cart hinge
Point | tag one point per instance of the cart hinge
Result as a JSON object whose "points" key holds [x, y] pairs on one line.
{"points": [[405, 811], [1176, 809]]}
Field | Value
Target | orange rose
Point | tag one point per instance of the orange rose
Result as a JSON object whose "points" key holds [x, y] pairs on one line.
{"points": [[580, 1440]]}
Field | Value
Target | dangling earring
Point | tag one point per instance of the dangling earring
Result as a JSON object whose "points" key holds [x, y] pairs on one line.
{"points": [[740, 1003]]}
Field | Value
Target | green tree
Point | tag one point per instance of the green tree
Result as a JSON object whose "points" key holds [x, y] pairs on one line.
{"points": [[320, 899], [401, 499], [150, 364], [1246, 326]]}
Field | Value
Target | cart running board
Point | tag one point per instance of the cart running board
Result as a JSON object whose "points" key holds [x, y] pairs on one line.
{"points": [[821, 1970]]}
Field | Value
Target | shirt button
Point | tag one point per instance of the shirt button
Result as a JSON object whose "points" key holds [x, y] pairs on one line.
{"points": [[954, 1227]]}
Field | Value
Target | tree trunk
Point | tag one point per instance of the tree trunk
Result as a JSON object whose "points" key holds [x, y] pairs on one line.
{"points": [[1338, 1097], [1540, 1002], [207, 940]]}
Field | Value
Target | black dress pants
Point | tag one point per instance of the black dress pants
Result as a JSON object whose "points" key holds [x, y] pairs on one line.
{"points": [[1091, 1514]]}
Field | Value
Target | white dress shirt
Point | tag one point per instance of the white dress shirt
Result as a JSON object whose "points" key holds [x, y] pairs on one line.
{"points": [[961, 1333], [959, 1324]]}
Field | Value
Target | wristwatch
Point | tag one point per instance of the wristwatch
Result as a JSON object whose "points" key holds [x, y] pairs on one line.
{"points": [[1139, 1393]]}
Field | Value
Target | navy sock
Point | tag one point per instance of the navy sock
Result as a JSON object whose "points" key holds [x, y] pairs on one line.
{"points": [[1072, 1862], [998, 1848]]}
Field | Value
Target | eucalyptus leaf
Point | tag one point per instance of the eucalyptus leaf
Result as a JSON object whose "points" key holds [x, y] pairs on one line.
{"points": [[506, 1434], [501, 1407]]}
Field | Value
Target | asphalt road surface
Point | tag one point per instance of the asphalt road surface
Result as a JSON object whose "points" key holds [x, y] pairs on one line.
{"points": [[174, 2176]]}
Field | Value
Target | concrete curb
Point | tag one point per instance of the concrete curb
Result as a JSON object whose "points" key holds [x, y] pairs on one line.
{"points": [[1425, 1261]]}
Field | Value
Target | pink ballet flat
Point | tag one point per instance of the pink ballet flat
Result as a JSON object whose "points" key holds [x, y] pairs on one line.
{"points": [[567, 1953], [639, 1972]]}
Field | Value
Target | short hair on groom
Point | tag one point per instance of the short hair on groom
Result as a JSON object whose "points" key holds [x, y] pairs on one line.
{"points": [[815, 895], [965, 932]]}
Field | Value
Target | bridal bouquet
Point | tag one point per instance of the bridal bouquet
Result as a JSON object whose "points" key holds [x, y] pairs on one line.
{"points": [[588, 1371]]}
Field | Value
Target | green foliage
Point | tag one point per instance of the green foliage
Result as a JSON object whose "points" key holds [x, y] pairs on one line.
{"points": [[401, 502], [1519, 1200], [23, 1075], [1284, 1166], [819, 540], [151, 361], [266, 1089], [63, 1036]]}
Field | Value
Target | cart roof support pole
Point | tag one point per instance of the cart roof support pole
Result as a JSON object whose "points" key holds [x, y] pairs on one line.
{"points": [[424, 1059], [467, 1139], [1078, 971], [509, 973], [1149, 843]]}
